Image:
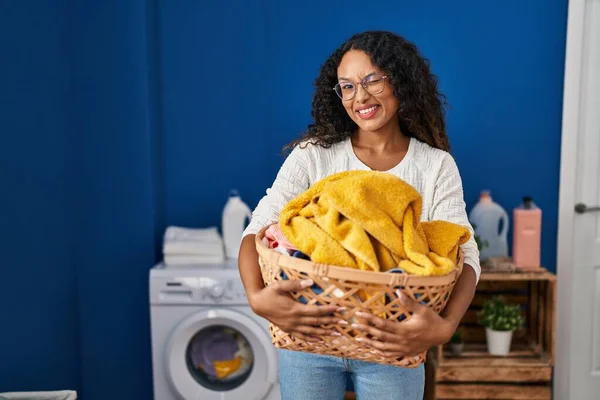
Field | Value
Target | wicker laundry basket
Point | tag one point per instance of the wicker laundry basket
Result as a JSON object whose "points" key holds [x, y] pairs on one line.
{"points": [[342, 287]]}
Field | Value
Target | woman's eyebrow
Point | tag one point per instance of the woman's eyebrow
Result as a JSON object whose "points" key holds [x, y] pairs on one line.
{"points": [[341, 78]]}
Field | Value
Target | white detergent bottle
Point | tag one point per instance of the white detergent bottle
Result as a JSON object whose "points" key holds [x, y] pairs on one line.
{"points": [[486, 218], [235, 215]]}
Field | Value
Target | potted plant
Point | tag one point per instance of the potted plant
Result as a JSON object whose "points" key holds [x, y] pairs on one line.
{"points": [[456, 344], [500, 320]]}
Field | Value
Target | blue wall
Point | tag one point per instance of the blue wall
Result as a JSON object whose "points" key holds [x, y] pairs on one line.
{"points": [[39, 321], [113, 111], [216, 115], [120, 118]]}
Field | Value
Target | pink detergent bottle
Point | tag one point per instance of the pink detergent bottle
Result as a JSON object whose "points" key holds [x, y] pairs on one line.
{"points": [[527, 234]]}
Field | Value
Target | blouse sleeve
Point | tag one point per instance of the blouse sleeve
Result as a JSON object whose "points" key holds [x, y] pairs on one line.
{"points": [[449, 205], [291, 180]]}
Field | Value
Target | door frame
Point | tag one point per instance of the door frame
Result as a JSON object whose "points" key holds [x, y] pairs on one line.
{"points": [[572, 94]]}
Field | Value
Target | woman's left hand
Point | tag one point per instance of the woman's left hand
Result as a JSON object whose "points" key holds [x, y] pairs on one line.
{"points": [[423, 330]]}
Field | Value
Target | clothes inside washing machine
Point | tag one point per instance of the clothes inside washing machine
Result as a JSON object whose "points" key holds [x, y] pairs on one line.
{"points": [[219, 357]]}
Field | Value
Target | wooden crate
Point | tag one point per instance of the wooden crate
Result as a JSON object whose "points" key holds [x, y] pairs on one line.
{"points": [[526, 373]]}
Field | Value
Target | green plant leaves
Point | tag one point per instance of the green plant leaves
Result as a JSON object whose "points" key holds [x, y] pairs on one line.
{"points": [[500, 316]]}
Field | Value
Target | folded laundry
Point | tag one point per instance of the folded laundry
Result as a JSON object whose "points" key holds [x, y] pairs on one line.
{"points": [[210, 234], [184, 259], [192, 246]]}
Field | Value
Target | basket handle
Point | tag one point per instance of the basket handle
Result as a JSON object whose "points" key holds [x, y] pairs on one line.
{"points": [[398, 279], [320, 270]]}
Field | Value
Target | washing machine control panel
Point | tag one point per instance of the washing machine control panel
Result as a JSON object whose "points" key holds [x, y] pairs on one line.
{"points": [[222, 291]]}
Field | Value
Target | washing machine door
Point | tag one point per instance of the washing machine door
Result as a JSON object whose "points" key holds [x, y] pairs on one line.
{"points": [[221, 354]]}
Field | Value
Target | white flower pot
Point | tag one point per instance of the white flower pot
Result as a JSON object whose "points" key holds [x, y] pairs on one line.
{"points": [[498, 342]]}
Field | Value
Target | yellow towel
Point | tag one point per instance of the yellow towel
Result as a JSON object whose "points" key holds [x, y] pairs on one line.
{"points": [[370, 220]]}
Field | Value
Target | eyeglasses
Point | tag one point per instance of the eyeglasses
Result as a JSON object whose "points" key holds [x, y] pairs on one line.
{"points": [[373, 84]]}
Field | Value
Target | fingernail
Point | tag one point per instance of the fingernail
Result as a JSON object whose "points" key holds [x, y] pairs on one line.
{"points": [[361, 314], [342, 322], [356, 326], [398, 293], [336, 334], [341, 309], [306, 283], [359, 339]]}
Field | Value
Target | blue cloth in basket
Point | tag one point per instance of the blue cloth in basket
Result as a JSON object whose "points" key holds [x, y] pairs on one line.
{"points": [[315, 288]]}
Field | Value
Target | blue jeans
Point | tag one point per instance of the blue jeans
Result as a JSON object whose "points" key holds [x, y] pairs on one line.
{"points": [[307, 376]]}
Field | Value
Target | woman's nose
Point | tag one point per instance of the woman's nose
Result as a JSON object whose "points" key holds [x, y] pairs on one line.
{"points": [[361, 94]]}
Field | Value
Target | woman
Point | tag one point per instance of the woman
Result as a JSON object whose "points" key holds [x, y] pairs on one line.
{"points": [[376, 107]]}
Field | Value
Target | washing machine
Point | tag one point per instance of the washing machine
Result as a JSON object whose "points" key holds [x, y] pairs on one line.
{"points": [[206, 342]]}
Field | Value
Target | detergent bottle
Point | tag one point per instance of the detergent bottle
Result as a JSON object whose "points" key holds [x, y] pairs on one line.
{"points": [[235, 216], [487, 217], [527, 234]]}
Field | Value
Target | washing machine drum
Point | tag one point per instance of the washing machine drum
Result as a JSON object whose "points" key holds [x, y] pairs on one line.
{"points": [[220, 354]]}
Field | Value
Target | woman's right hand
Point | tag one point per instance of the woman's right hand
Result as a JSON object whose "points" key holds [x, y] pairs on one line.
{"points": [[275, 304]]}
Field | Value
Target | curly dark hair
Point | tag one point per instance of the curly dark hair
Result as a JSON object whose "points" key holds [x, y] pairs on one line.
{"points": [[421, 113]]}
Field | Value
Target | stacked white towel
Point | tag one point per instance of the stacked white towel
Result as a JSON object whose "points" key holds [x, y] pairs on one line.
{"points": [[182, 246]]}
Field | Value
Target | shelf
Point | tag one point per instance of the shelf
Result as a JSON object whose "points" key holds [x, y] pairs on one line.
{"points": [[477, 355], [543, 275], [499, 392], [526, 372]]}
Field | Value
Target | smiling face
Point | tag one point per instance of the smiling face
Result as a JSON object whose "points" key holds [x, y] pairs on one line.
{"points": [[372, 109]]}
